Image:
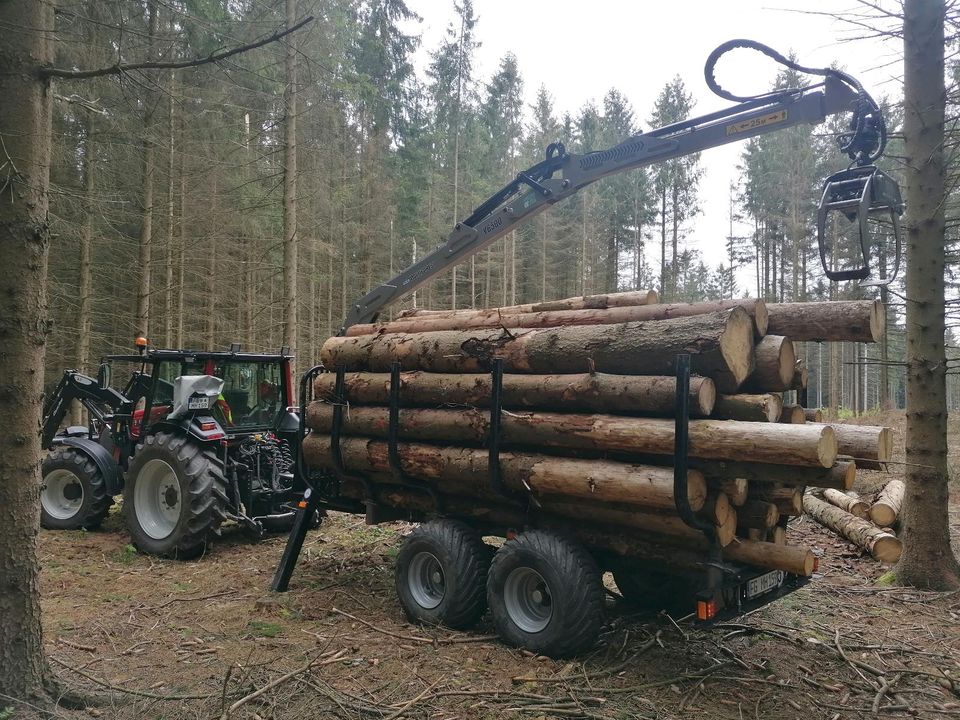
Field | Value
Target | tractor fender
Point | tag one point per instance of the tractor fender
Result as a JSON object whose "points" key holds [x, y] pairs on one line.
{"points": [[101, 458], [193, 426]]}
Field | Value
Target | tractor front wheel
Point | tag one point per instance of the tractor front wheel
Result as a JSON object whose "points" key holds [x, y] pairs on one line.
{"points": [[74, 493], [174, 496]]}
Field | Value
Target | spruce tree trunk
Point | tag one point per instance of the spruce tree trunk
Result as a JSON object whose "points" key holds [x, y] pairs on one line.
{"points": [[290, 239], [25, 120], [146, 198], [927, 561], [85, 283]]}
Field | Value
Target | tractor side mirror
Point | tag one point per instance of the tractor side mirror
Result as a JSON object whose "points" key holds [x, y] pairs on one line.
{"points": [[104, 374]]}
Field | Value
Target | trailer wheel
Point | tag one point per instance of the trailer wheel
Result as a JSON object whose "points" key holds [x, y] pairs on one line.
{"points": [[174, 496], [74, 493], [441, 574], [546, 594]]}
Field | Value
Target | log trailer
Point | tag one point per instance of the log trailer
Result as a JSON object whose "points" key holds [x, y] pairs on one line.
{"points": [[542, 584]]}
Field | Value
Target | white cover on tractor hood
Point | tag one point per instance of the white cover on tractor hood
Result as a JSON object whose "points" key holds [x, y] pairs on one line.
{"points": [[187, 385]]}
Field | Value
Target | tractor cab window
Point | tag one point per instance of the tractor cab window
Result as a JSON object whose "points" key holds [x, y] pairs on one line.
{"points": [[168, 371], [252, 391]]}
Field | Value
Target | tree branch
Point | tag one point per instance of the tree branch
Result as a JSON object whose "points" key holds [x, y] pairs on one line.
{"points": [[213, 57]]}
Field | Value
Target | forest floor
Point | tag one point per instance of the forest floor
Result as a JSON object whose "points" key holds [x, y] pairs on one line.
{"points": [[166, 639]]}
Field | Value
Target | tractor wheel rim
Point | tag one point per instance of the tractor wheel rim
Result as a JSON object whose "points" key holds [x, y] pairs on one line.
{"points": [[527, 599], [157, 500], [62, 495], [426, 580]]}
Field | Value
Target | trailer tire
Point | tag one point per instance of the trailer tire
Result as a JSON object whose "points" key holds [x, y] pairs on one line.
{"points": [[74, 493], [174, 496], [441, 574], [546, 594]]}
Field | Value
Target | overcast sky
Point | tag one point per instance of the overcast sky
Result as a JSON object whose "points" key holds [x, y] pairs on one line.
{"points": [[579, 50]]}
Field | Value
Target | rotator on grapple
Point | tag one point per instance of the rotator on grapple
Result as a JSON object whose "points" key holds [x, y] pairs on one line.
{"points": [[193, 439]]}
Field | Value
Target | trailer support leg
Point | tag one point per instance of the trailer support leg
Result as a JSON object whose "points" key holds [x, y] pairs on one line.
{"points": [[281, 579]]}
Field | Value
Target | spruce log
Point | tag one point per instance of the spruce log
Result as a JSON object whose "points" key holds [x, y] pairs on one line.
{"points": [[758, 514], [581, 302], [496, 318], [736, 489], [793, 415], [853, 505], [775, 364], [789, 558], [841, 476], [800, 375], [846, 321], [719, 342], [885, 510], [778, 535], [862, 533], [466, 472], [813, 415], [596, 392], [788, 500], [716, 509], [869, 445], [716, 439], [751, 408]]}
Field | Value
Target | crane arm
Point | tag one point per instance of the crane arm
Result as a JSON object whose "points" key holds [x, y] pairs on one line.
{"points": [[562, 174]]}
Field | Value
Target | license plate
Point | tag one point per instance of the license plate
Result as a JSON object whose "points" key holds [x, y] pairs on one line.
{"points": [[198, 403], [764, 583]]}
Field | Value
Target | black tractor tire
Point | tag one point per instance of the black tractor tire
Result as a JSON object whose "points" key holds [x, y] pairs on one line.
{"points": [[546, 594], [653, 590], [174, 496], [441, 574], [73, 476]]}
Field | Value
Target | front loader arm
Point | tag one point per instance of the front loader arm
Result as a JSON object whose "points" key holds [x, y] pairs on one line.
{"points": [[77, 386], [562, 174]]}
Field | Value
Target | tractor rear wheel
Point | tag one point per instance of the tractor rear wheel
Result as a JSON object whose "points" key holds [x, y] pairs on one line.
{"points": [[174, 496], [74, 493]]}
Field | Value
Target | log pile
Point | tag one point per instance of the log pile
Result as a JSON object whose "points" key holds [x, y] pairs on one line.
{"points": [[869, 526], [586, 429]]}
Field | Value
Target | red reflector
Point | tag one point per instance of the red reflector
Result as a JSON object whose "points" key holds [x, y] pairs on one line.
{"points": [[706, 609], [302, 504], [206, 427]]}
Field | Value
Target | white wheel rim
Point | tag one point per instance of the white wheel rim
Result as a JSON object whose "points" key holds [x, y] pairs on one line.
{"points": [[426, 581], [62, 495], [156, 499], [527, 600]]}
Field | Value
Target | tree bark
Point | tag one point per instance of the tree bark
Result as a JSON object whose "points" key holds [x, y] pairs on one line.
{"points": [[881, 545], [813, 415], [886, 509], [793, 415], [928, 560], [853, 505], [466, 471], [751, 408], [722, 343], [839, 321], [736, 489], [800, 375], [496, 318], [841, 476], [596, 392], [787, 500], [25, 122], [290, 237], [583, 302], [85, 279], [772, 556], [714, 439], [757, 514], [775, 365]]}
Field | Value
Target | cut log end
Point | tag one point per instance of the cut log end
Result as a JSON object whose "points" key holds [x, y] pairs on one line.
{"points": [[736, 346], [887, 549]]}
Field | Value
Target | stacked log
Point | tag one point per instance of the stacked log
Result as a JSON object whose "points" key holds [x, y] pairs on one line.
{"points": [[586, 428]]}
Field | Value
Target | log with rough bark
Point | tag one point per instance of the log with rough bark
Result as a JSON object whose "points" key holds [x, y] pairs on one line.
{"points": [[793, 415], [466, 471], [871, 446], [751, 408], [862, 533], [789, 558], [846, 320], [719, 343], [581, 302], [853, 505], [787, 500], [716, 439], [758, 514], [495, 318], [840, 476], [813, 415], [775, 364], [800, 375], [885, 510], [736, 489], [596, 392]]}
